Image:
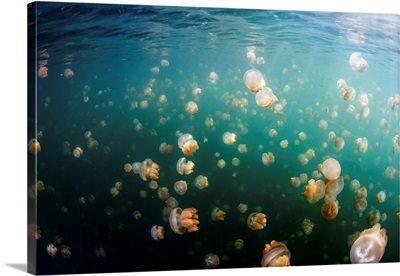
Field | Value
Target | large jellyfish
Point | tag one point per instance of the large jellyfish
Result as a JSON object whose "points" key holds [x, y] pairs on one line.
{"points": [[149, 170], [254, 80], [187, 144], [331, 169], [315, 190], [266, 98], [256, 221], [183, 220], [275, 254], [184, 167], [357, 62]]}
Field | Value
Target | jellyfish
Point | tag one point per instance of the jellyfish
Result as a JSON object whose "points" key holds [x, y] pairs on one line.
{"points": [[341, 83], [254, 80], [357, 62], [302, 159], [65, 251], [165, 148], [265, 98], [157, 232], [213, 77], [164, 63], [333, 188], [77, 152], [217, 214], [51, 249], [323, 124], [315, 190], [183, 220], [183, 167], [163, 193], [211, 260], [256, 221], [268, 158], [191, 108], [331, 169], [370, 246], [362, 144], [68, 74], [155, 70], [390, 172], [330, 209], [373, 217], [360, 203], [127, 167], [307, 226], [196, 91], [272, 133], [302, 136], [188, 145], [275, 254], [34, 146], [235, 161], [363, 100], [348, 93], [354, 185], [229, 138], [136, 167], [149, 170], [180, 187], [381, 196], [201, 182], [331, 136], [284, 144], [242, 148], [339, 143], [242, 208], [295, 182], [137, 215], [171, 202], [92, 144], [221, 163], [238, 244], [42, 72]]}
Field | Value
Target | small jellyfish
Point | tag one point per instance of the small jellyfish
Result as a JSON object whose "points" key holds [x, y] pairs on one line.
{"points": [[183, 167], [381, 196], [171, 202], [221, 163], [217, 214], [68, 74], [188, 145], [137, 215], [157, 232], [180, 187], [42, 72], [127, 167], [302, 159], [362, 144], [331, 169], [164, 63], [34, 146], [275, 254], [295, 182], [348, 93], [284, 144], [339, 143], [77, 152], [243, 208], [370, 246], [191, 108], [165, 148], [333, 188], [360, 203], [211, 260], [373, 217], [323, 124], [266, 98], [229, 138], [149, 170], [268, 158], [315, 190], [357, 62], [238, 244], [330, 209], [65, 251], [256, 221], [201, 182], [51, 249], [136, 167], [183, 220], [302, 136], [254, 80], [213, 77], [307, 226], [235, 161], [242, 148], [354, 185], [390, 172], [155, 70]]}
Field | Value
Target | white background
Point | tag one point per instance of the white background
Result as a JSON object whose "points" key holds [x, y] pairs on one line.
{"points": [[13, 133]]}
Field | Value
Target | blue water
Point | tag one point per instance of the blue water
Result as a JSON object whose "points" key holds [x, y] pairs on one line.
{"points": [[112, 49]]}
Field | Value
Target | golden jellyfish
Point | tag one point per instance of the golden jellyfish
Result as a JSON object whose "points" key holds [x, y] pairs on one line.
{"points": [[254, 80], [184, 167], [42, 72], [360, 203], [153, 185], [260, 60], [330, 209], [370, 246], [390, 172], [155, 70], [157, 232], [183, 220], [284, 144], [316, 174], [65, 251], [34, 146], [354, 185], [221, 163], [352, 238], [163, 193], [211, 260], [381, 196], [350, 109], [268, 158], [238, 244], [383, 123], [235, 161], [68, 74], [196, 91], [171, 202], [315, 190], [34, 231], [164, 63], [272, 133], [191, 108], [295, 182], [243, 208], [323, 124], [373, 217], [339, 143], [51, 249], [303, 178], [149, 170], [180, 187], [333, 188], [266, 98], [77, 152], [137, 215], [348, 93], [341, 83], [213, 77], [127, 167], [302, 136], [188, 145], [144, 104], [114, 191], [242, 148], [275, 254], [307, 226], [217, 214], [201, 182], [229, 138], [331, 136], [136, 167], [256, 221], [331, 169], [165, 148], [363, 101], [362, 144], [92, 144], [357, 62], [302, 159]]}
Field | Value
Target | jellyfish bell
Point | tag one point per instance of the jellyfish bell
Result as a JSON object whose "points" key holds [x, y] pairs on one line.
{"points": [[370, 246], [275, 254], [333, 188], [256, 221], [191, 108], [68, 74], [180, 187], [51, 249], [254, 80], [183, 167], [330, 210], [211, 260], [34, 146], [187, 143], [315, 190], [265, 98], [362, 144], [149, 170], [201, 182], [229, 138], [357, 62], [307, 226], [217, 214], [157, 232], [183, 220], [331, 169]]}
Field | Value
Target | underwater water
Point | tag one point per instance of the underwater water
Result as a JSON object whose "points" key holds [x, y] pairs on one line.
{"points": [[133, 71]]}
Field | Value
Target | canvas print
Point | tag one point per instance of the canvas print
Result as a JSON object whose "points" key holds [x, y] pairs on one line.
{"points": [[180, 138]]}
